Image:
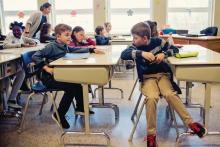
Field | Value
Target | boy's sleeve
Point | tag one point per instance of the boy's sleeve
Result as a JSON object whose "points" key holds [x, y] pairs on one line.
{"points": [[102, 40], [80, 50], [131, 53], [167, 49], [41, 56]]}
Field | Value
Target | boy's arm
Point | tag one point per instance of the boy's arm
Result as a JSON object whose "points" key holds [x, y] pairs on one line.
{"points": [[102, 40], [167, 49], [41, 56], [80, 50], [131, 53]]}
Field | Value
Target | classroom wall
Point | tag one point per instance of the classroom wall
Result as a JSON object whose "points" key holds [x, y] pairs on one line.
{"points": [[100, 12], [216, 16], [159, 11]]}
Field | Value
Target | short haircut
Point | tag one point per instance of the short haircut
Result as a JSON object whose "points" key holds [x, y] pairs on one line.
{"points": [[60, 28], [141, 29], [45, 6], [99, 29]]}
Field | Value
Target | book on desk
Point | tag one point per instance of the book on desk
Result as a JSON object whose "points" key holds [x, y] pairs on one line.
{"points": [[76, 56]]}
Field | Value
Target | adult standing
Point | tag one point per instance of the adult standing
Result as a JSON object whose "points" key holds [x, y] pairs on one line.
{"points": [[36, 20]]}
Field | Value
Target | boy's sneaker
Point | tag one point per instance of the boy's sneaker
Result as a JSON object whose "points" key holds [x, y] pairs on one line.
{"points": [[64, 122], [198, 129], [151, 140], [81, 112], [13, 104]]}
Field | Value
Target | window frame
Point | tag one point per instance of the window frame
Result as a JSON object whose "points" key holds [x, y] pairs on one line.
{"points": [[208, 9]]}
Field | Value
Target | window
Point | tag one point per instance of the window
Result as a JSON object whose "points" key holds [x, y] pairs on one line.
{"points": [[74, 13], [12, 10], [192, 15], [125, 13]]}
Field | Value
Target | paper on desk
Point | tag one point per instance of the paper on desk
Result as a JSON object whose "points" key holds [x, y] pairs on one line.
{"points": [[75, 56]]}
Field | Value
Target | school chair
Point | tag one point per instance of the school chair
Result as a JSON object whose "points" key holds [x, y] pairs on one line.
{"points": [[169, 111], [31, 70]]}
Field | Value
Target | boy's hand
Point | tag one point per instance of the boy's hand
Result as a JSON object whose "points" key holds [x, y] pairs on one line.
{"points": [[148, 55], [99, 51], [160, 57], [48, 69]]}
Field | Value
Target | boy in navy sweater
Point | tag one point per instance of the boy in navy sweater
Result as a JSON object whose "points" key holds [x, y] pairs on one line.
{"points": [[149, 54], [100, 37], [54, 51]]}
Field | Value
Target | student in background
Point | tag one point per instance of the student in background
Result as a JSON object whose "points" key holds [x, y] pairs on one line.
{"points": [[108, 28], [15, 39], [153, 73], [36, 20], [153, 27], [100, 37], [79, 39], [45, 35], [54, 51]]}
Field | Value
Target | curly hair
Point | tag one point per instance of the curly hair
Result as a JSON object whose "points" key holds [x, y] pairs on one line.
{"points": [[15, 23]]}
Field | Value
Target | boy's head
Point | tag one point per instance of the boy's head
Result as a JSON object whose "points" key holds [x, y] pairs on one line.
{"points": [[63, 33], [141, 33], [99, 30], [108, 26], [17, 29], [78, 34]]}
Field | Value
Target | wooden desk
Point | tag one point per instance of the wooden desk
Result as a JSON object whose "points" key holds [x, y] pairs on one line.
{"points": [[97, 69], [19, 51], [205, 69], [123, 40], [210, 42], [8, 66]]}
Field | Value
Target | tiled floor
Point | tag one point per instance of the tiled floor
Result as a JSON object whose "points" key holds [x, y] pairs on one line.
{"points": [[42, 131]]}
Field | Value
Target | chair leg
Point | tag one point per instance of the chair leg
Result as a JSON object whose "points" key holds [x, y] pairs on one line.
{"points": [[43, 102], [137, 120], [24, 114], [172, 112], [129, 98], [56, 110], [55, 96], [136, 107]]}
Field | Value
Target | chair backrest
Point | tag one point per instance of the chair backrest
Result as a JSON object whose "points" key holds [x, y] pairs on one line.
{"points": [[29, 67], [210, 31]]}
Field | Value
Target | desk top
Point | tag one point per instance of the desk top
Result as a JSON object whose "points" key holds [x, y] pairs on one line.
{"points": [[19, 51], [205, 57], [111, 57], [205, 38], [122, 39], [8, 57]]}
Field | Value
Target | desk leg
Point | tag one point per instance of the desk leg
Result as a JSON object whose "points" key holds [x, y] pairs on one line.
{"points": [[207, 103], [87, 134], [86, 107]]}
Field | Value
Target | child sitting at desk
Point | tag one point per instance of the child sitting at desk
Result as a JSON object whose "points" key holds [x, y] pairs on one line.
{"points": [[153, 73], [79, 39], [15, 39], [54, 51], [100, 37], [45, 31]]}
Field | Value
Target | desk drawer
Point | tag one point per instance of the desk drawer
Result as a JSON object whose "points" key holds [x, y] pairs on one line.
{"points": [[87, 75], [203, 73]]}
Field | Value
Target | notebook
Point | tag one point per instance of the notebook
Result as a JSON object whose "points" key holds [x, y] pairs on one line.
{"points": [[76, 56]]}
